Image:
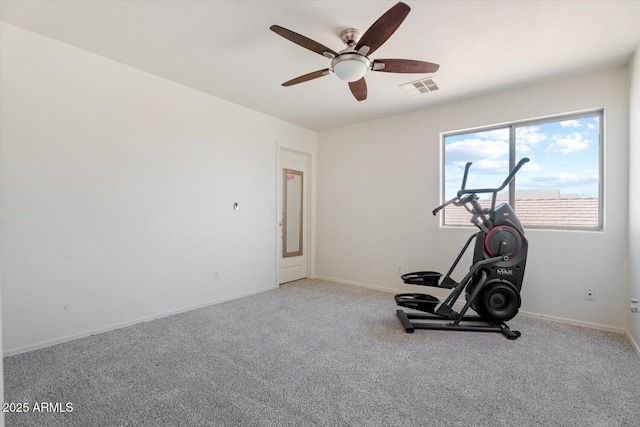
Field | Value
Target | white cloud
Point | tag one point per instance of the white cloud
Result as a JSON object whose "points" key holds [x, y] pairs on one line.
{"points": [[584, 183], [523, 149], [566, 144], [563, 180], [473, 149], [529, 135], [490, 165], [495, 135], [531, 165], [570, 124]]}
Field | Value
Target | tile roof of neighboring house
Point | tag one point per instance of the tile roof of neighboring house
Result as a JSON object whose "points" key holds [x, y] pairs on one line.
{"points": [[540, 212]]}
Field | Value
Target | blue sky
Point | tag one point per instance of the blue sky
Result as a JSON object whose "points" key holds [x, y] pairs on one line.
{"points": [[564, 155]]}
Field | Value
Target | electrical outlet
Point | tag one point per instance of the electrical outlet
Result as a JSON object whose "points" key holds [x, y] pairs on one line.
{"points": [[399, 268], [216, 275], [590, 294], [634, 305]]}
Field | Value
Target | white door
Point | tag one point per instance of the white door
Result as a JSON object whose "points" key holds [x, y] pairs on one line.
{"points": [[294, 212]]}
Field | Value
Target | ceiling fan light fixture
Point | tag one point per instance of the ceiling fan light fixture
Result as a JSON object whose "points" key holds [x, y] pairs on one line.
{"points": [[350, 67]]}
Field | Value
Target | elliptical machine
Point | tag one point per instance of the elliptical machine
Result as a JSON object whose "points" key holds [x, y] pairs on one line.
{"points": [[492, 286]]}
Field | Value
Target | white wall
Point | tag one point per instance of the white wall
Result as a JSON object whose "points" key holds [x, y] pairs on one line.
{"points": [[117, 189], [634, 193], [379, 181]]}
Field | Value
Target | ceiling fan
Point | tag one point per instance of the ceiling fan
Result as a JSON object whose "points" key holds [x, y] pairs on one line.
{"points": [[352, 63]]}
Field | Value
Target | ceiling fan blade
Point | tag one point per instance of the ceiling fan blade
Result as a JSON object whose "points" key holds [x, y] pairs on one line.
{"points": [[303, 41], [307, 77], [359, 89], [404, 66], [383, 28]]}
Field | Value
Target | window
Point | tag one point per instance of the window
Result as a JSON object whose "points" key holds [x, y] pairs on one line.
{"points": [[561, 187]]}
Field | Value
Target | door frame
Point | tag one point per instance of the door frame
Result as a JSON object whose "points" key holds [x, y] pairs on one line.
{"points": [[309, 214]]}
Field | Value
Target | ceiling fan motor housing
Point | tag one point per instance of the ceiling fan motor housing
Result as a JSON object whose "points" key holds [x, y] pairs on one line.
{"points": [[350, 36]]}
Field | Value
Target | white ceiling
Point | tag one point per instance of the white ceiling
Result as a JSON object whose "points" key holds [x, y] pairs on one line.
{"points": [[225, 48]]}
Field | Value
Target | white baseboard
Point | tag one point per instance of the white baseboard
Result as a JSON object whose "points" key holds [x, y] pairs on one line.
{"points": [[360, 285], [575, 322], [633, 342], [439, 294], [84, 334]]}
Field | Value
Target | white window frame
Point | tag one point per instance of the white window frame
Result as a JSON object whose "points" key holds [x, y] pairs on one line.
{"points": [[512, 126]]}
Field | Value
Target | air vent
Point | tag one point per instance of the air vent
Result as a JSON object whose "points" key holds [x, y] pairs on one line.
{"points": [[420, 86]]}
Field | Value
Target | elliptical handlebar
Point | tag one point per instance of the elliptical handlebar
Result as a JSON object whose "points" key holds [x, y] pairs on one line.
{"points": [[442, 206], [458, 199], [506, 182]]}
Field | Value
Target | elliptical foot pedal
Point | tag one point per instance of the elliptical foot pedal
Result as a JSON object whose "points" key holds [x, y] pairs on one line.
{"points": [[422, 302], [422, 278]]}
